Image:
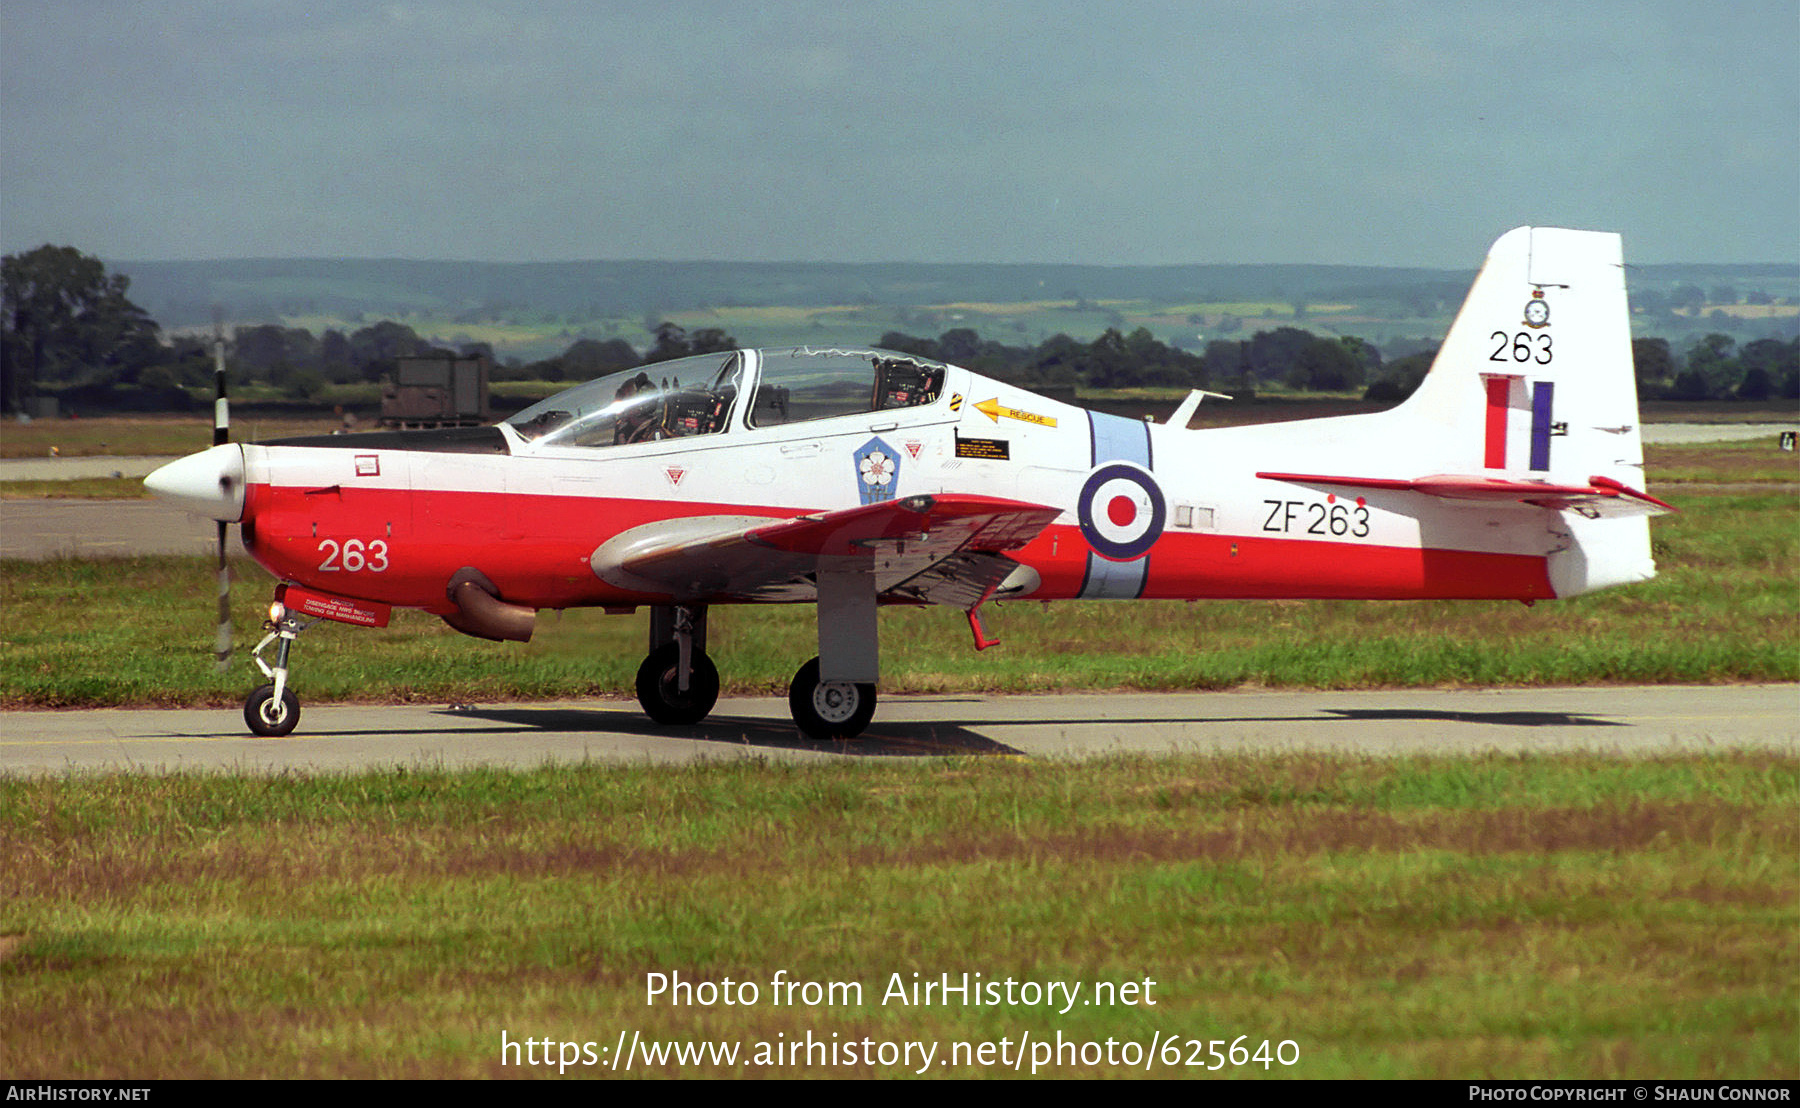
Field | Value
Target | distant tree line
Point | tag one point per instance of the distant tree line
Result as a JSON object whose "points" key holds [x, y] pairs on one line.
{"points": [[67, 327], [65, 321], [1716, 368], [1285, 356], [1712, 368], [291, 359], [589, 358]]}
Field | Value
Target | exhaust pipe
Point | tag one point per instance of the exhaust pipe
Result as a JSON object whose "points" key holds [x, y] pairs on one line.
{"points": [[481, 613]]}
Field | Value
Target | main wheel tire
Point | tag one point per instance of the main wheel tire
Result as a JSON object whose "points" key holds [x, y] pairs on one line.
{"points": [[658, 681], [268, 717], [830, 709]]}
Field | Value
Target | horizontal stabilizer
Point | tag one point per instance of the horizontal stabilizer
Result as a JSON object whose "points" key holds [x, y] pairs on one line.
{"points": [[1600, 497]]}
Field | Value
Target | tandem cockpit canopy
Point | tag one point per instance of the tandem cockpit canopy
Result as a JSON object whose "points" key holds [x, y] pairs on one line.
{"points": [[699, 395]]}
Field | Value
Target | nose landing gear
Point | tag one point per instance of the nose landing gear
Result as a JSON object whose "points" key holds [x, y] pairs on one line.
{"points": [[271, 714], [272, 710]]}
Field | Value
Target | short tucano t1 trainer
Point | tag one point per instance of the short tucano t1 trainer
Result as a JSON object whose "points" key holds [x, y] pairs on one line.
{"points": [[853, 478]]}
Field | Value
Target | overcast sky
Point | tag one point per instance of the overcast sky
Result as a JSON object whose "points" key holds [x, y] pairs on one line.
{"points": [[1127, 132]]}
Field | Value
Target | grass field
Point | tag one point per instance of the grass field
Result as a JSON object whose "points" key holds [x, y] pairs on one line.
{"points": [[1021, 321], [1754, 460], [1540, 917], [141, 435], [79, 488]]}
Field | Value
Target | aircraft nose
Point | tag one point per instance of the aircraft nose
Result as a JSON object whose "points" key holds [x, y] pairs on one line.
{"points": [[210, 483]]}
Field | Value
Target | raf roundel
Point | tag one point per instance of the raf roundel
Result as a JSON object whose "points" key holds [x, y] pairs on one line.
{"points": [[1122, 512]]}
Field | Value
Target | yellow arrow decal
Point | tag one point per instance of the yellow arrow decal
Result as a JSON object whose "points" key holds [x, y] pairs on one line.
{"points": [[993, 409]]}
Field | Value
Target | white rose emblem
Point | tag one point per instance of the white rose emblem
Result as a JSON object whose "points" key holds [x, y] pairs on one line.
{"points": [[877, 468]]}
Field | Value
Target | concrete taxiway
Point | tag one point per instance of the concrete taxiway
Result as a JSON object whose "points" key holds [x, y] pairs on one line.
{"points": [[1625, 721], [40, 529]]}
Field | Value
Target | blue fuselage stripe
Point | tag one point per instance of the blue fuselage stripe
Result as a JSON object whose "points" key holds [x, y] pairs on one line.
{"points": [[1116, 439], [1541, 396]]}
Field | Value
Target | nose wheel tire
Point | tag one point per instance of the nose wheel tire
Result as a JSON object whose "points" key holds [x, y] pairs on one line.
{"points": [[658, 686], [269, 717], [830, 709]]}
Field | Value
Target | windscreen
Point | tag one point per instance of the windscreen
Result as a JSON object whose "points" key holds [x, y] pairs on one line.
{"points": [[689, 396]]}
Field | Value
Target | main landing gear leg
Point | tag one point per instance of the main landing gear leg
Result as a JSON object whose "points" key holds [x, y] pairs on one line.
{"points": [[272, 710], [833, 696], [678, 683]]}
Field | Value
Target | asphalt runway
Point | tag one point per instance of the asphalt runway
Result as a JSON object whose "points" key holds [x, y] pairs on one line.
{"points": [[39, 529], [1631, 721]]}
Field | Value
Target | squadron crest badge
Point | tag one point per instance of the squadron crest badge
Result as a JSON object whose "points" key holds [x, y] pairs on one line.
{"points": [[1537, 310]]}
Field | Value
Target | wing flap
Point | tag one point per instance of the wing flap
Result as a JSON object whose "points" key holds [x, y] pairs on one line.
{"points": [[931, 542], [1601, 496], [978, 522]]}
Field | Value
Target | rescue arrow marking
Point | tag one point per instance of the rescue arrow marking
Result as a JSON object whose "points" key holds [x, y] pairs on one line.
{"points": [[993, 409]]}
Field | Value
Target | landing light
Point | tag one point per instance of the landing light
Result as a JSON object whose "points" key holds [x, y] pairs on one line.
{"points": [[277, 612]]}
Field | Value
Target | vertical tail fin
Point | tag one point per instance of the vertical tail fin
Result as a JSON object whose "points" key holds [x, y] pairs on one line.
{"points": [[1535, 375], [1535, 382]]}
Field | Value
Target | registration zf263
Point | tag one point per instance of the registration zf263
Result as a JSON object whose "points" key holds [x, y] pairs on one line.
{"points": [[353, 556], [1313, 517]]}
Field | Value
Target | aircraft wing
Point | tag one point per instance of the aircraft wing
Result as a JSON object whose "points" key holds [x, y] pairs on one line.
{"points": [[943, 549], [1600, 497]]}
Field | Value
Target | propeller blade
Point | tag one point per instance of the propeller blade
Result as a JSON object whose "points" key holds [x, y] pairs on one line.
{"points": [[222, 435], [221, 406], [222, 643]]}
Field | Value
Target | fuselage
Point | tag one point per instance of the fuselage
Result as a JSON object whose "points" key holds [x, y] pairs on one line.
{"points": [[1147, 511]]}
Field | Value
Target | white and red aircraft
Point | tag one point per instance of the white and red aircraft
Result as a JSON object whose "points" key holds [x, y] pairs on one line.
{"points": [[857, 478]]}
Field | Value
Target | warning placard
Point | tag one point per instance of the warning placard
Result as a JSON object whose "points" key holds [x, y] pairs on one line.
{"points": [[363, 613], [997, 450]]}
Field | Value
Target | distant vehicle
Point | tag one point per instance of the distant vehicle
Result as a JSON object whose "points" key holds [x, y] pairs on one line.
{"points": [[433, 392], [851, 479]]}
